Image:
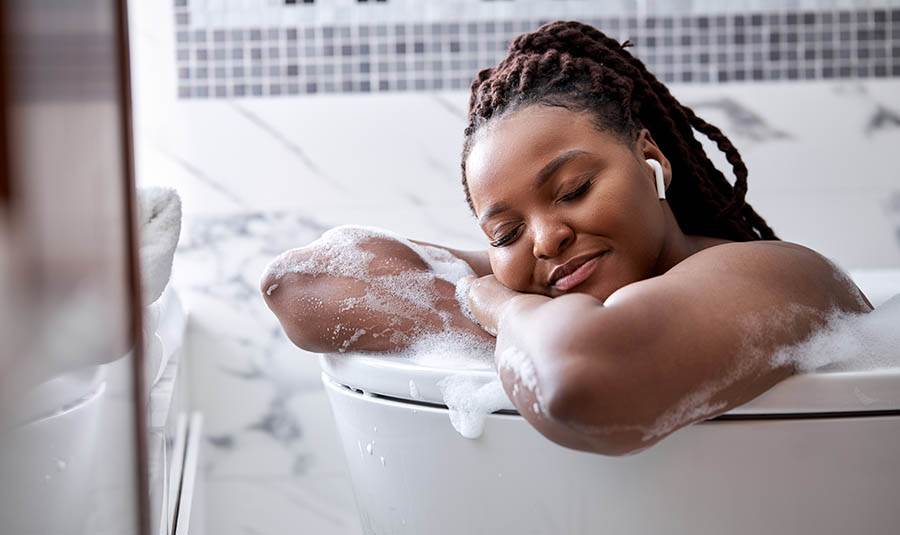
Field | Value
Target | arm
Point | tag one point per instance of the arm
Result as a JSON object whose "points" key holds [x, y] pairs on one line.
{"points": [[662, 353], [361, 291], [477, 260]]}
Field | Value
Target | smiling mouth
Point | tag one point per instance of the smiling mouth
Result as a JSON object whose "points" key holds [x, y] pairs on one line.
{"points": [[582, 273]]}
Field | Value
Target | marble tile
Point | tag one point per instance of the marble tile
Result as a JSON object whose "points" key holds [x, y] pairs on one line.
{"points": [[804, 137], [329, 151], [317, 153], [857, 229]]}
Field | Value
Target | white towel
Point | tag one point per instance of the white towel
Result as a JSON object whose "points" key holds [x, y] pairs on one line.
{"points": [[159, 212], [159, 219]]}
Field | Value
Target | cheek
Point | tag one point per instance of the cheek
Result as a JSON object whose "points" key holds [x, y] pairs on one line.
{"points": [[638, 228], [513, 265], [625, 213]]}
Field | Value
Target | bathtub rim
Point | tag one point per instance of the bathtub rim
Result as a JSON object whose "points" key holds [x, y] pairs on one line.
{"points": [[817, 392], [857, 392]]}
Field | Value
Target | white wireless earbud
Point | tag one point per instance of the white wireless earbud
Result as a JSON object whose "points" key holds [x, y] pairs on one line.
{"points": [[660, 181]]}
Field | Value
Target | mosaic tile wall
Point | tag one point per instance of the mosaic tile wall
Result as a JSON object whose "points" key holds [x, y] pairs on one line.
{"points": [[294, 59]]}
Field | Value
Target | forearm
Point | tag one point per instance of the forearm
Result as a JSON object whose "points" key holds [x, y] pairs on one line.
{"points": [[361, 290], [545, 348], [617, 379], [330, 314]]}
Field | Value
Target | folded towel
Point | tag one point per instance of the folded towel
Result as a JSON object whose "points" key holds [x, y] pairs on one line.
{"points": [[159, 213]]}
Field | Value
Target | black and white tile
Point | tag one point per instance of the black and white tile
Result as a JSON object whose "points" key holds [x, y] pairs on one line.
{"points": [[395, 48]]}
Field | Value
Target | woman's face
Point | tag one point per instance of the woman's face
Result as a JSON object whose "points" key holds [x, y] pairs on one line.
{"points": [[566, 208]]}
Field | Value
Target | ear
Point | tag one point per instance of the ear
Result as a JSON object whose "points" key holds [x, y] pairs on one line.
{"points": [[646, 147]]}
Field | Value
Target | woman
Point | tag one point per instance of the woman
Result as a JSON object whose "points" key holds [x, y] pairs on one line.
{"points": [[630, 287]]}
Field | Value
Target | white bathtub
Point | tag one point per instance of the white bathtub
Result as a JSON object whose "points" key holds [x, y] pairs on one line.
{"points": [[66, 446], [818, 453]]}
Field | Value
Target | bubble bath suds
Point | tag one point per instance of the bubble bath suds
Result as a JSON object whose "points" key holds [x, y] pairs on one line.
{"points": [[470, 401], [516, 361], [846, 342], [410, 294], [462, 297], [850, 342], [469, 398]]}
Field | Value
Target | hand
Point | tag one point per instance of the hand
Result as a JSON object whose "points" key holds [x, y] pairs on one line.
{"points": [[489, 300]]}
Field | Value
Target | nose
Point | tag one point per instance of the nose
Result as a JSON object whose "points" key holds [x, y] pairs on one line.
{"points": [[551, 237]]}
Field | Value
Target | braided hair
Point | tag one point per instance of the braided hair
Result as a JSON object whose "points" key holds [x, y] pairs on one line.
{"points": [[577, 67]]}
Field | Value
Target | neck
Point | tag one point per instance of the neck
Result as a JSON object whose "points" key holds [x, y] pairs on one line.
{"points": [[677, 245]]}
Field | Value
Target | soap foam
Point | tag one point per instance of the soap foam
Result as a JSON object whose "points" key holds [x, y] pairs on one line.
{"points": [[693, 407], [462, 297], [350, 341], [451, 349], [414, 390], [411, 294], [520, 364], [445, 265], [845, 280], [470, 400], [850, 342], [846, 342], [336, 252]]}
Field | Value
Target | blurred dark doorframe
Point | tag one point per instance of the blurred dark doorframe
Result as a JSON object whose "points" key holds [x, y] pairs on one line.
{"points": [[4, 76], [67, 199]]}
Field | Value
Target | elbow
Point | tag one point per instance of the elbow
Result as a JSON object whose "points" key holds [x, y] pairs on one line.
{"points": [[274, 290], [285, 297], [268, 283], [588, 401]]}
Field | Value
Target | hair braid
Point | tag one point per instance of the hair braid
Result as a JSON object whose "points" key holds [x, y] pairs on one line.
{"points": [[576, 66]]}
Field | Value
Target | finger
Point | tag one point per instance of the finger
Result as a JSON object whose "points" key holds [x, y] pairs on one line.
{"points": [[485, 299], [462, 296]]}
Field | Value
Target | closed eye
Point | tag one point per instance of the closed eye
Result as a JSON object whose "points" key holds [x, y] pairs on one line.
{"points": [[507, 238], [577, 192]]}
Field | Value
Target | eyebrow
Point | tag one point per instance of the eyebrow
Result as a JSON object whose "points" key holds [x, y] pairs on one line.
{"points": [[540, 179]]}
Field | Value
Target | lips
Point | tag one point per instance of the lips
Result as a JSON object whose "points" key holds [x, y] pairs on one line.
{"points": [[574, 272]]}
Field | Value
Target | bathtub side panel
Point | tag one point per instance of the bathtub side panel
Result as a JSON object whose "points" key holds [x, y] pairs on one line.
{"points": [[413, 473]]}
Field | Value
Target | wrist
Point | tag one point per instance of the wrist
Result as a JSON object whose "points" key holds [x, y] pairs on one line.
{"points": [[518, 307]]}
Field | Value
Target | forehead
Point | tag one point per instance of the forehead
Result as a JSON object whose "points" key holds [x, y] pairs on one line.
{"points": [[506, 155]]}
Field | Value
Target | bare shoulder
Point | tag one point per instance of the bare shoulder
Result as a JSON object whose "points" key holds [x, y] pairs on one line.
{"points": [[779, 268], [701, 339], [708, 304]]}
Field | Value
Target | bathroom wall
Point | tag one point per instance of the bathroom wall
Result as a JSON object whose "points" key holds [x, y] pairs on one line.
{"points": [[278, 119]]}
